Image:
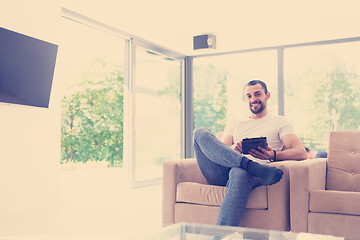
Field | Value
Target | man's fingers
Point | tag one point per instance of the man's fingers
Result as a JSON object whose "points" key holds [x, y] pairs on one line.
{"points": [[262, 149], [262, 154], [238, 149]]}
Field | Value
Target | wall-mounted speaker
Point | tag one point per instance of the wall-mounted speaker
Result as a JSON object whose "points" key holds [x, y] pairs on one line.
{"points": [[205, 41]]}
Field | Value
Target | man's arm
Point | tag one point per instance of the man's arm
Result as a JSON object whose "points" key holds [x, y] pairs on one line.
{"points": [[228, 140], [294, 150]]}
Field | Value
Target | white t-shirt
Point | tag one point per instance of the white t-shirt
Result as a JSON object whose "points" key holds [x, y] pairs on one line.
{"points": [[271, 127]]}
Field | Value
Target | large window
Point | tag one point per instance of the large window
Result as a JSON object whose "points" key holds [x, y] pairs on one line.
{"points": [[92, 63], [315, 86], [322, 90], [219, 86], [122, 100]]}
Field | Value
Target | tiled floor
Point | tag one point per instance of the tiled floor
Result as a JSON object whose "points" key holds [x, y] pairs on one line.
{"points": [[93, 202]]}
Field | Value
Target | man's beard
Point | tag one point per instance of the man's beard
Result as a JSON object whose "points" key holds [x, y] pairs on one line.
{"points": [[260, 108]]}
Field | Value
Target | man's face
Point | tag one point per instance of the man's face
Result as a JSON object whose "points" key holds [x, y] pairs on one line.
{"points": [[256, 97]]}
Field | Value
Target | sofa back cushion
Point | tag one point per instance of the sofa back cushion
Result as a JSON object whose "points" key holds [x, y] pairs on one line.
{"points": [[343, 165]]}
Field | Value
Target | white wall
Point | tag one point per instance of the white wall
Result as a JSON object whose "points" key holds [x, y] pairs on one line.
{"points": [[29, 136], [237, 24]]}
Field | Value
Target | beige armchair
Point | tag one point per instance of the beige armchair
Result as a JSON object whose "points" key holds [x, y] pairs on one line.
{"points": [[325, 194], [188, 198]]}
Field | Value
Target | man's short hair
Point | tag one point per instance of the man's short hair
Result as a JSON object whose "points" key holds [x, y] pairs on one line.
{"points": [[254, 82]]}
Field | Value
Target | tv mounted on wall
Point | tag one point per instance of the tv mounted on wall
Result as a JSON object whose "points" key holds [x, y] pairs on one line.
{"points": [[26, 69]]}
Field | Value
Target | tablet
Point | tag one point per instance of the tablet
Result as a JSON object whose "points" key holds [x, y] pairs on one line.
{"points": [[253, 143]]}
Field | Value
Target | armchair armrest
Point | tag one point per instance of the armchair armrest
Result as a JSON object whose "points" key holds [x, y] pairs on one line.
{"points": [[279, 198], [305, 176], [174, 172]]}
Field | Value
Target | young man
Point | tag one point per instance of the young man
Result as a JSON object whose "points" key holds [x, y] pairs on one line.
{"points": [[222, 162]]}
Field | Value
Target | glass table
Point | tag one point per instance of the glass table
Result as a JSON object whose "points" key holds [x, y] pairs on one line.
{"points": [[194, 231]]}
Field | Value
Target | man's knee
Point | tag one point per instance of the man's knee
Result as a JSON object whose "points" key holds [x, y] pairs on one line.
{"points": [[201, 133]]}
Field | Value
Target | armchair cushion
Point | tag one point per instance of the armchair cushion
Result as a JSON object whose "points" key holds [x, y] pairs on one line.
{"points": [[339, 202], [343, 173], [210, 195]]}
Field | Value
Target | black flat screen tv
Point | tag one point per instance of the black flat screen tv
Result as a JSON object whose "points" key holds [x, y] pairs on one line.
{"points": [[27, 68]]}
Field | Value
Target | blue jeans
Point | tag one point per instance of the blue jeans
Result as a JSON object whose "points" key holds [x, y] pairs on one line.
{"points": [[321, 154], [220, 165]]}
